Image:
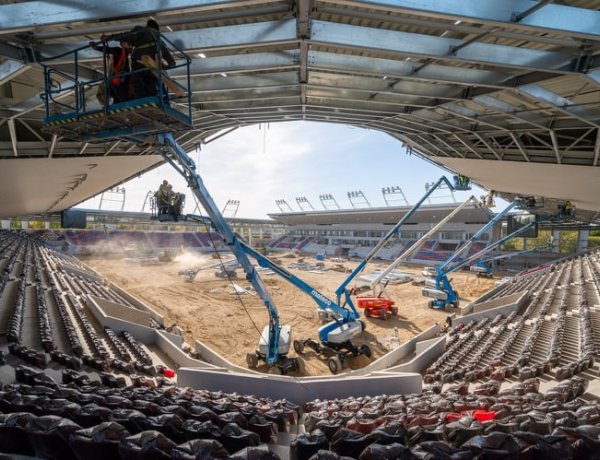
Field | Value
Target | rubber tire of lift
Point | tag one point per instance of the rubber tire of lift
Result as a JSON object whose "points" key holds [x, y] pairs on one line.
{"points": [[252, 360], [395, 311], [298, 346], [334, 364], [363, 325], [367, 312], [365, 350], [384, 314], [274, 370], [299, 365]]}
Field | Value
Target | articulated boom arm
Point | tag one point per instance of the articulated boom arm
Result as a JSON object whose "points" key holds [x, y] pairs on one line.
{"points": [[479, 256], [361, 266], [444, 294], [519, 253], [443, 269], [322, 301], [417, 245], [180, 160]]}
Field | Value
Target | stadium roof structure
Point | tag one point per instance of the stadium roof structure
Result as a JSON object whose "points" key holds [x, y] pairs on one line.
{"points": [[389, 215], [506, 92]]}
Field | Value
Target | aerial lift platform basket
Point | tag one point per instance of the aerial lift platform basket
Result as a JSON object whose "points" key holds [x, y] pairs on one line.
{"points": [[73, 113]]}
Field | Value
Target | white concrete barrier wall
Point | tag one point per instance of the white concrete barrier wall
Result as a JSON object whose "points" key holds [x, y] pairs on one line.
{"points": [[123, 312], [391, 358], [82, 273], [521, 298], [300, 391], [144, 334], [517, 298], [139, 304], [215, 359], [423, 359], [170, 346]]}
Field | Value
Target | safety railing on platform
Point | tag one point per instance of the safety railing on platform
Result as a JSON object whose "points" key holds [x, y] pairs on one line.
{"points": [[68, 91]]}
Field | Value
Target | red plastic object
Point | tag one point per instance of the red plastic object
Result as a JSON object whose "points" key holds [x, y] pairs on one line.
{"points": [[169, 373], [484, 416], [452, 417]]}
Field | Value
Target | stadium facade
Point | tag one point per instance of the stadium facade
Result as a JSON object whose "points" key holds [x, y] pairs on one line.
{"points": [[353, 232]]}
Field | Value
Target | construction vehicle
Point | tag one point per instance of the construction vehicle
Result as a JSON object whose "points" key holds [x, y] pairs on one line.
{"points": [[189, 274], [275, 339], [227, 274], [483, 266], [378, 284], [150, 123], [335, 337], [166, 256], [442, 292], [376, 305]]}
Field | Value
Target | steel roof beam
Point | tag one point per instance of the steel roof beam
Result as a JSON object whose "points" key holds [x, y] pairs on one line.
{"points": [[13, 136], [303, 8], [450, 146], [520, 146], [367, 40], [404, 70], [380, 42], [447, 126], [509, 110], [597, 148], [457, 27], [23, 16], [488, 146], [560, 104], [167, 21], [469, 114], [467, 146], [244, 63], [10, 69], [555, 146], [551, 18], [240, 38]]}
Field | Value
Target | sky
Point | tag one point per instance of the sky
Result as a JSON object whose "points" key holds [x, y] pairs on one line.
{"points": [[263, 163]]}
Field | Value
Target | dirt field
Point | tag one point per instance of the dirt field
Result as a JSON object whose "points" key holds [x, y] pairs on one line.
{"points": [[208, 310]]}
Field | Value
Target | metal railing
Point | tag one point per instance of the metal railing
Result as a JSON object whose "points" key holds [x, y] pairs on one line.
{"points": [[60, 82]]}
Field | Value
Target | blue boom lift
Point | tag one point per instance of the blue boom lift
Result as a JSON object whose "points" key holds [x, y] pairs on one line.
{"points": [[482, 266], [151, 122], [377, 305], [443, 293]]}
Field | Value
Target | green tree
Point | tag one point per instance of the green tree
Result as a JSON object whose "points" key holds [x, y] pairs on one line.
{"points": [[37, 225], [567, 243]]}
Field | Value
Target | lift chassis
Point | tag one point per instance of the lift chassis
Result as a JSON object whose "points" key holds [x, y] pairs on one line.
{"points": [[335, 353]]}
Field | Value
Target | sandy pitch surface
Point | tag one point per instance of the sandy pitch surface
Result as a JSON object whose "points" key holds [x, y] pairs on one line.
{"points": [[207, 309]]}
